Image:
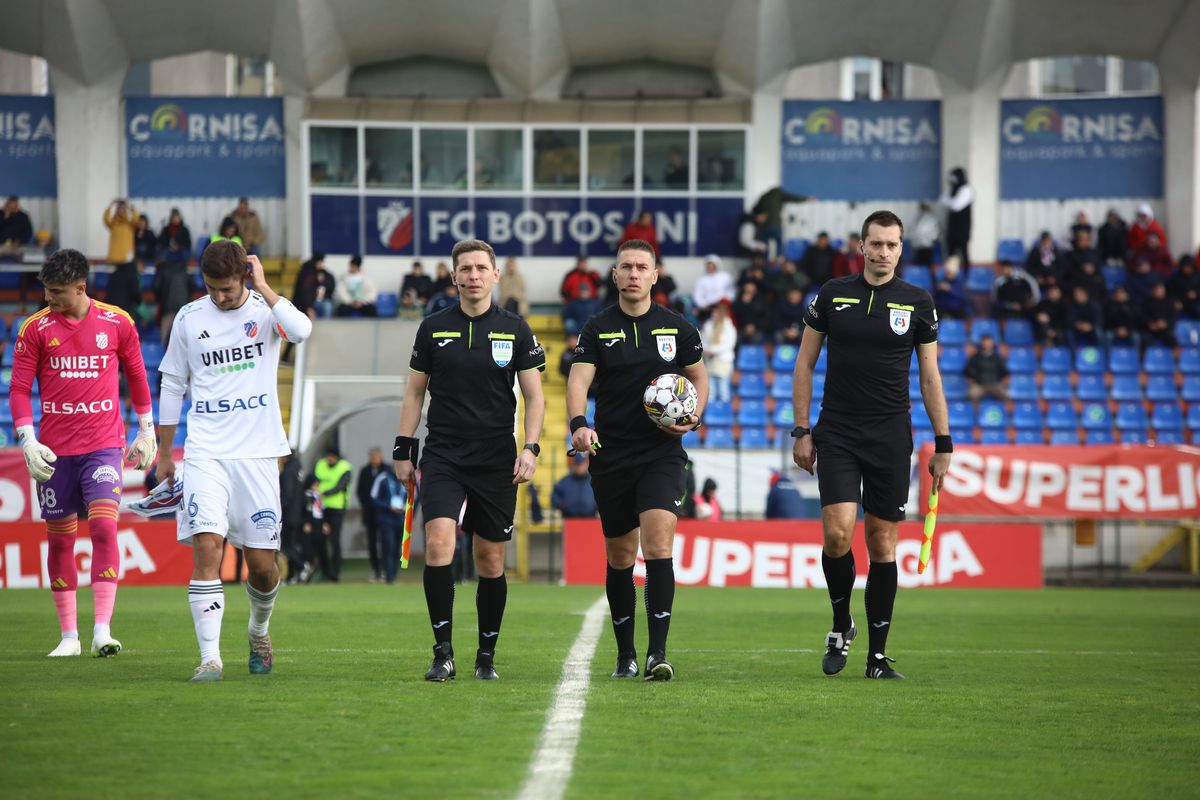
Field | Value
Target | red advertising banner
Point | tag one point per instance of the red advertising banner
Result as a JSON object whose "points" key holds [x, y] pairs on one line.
{"points": [[150, 555], [1069, 482], [786, 554]]}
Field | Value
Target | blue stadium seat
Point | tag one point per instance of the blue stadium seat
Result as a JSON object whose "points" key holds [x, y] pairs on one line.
{"points": [[992, 415], [751, 358], [718, 437], [1030, 436], [1010, 250], [754, 438], [15, 330], [1187, 332], [964, 435], [1125, 387], [1159, 360], [1056, 359], [1134, 437], [914, 387], [202, 243], [1114, 276], [1166, 417], [1161, 388], [1120, 359], [1131, 416], [718, 414], [1169, 437], [1189, 361], [751, 386], [784, 357], [952, 359], [1099, 436], [921, 436], [979, 279], [1056, 387], [752, 412], [994, 436], [920, 417], [691, 439], [954, 386], [1018, 332], [1191, 388], [961, 415], [793, 249], [387, 304], [814, 413], [99, 281], [1089, 359], [1022, 387], [785, 415], [781, 386], [6, 417], [1061, 415], [1027, 415], [822, 361], [818, 388], [1095, 415], [951, 331], [1021, 359], [1193, 417], [985, 327], [1091, 387], [1066, 436], [591, 408], [3, 328], [152, 354], [919, 277]]}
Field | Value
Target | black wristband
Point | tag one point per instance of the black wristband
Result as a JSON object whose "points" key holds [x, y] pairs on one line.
{"points": [[943, 444], [405, 449], [577, 423]]}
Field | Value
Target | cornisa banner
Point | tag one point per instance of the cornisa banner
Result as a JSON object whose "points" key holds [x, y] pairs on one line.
{"points": [[28, 165], [408, 225], [204, 146], [1105, 147], [863, 150]]}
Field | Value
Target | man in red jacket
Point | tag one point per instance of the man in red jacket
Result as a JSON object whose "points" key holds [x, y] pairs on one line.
{"points": [[642, 227], [1143, 225], [576, 278]]}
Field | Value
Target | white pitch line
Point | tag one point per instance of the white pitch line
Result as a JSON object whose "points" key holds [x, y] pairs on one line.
{"points": [[550, 770]]}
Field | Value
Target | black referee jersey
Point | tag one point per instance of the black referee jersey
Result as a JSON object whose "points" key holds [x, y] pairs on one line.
{"points": [[472, 363], [870, 332], [628, 353]]}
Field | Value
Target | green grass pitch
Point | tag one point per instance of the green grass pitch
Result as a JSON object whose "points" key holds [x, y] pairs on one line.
{"points": [[1056, 693]]}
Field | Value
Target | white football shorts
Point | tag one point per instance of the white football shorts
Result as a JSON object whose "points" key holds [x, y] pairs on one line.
{"points": [[236, 498]]}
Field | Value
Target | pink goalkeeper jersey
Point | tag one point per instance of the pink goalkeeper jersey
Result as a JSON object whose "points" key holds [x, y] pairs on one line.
{"points": [[75, 363]]}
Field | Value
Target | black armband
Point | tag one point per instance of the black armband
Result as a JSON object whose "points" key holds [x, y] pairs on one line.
{"points": [[405, 449], [577, 423], [943, 444]]}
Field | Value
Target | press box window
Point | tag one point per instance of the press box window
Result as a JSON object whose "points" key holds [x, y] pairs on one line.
{"points": [[611, 165], [389, 158], [720, 160], [498, 159], [443, 158], [556, 159], [333, 156], [665, 160]]}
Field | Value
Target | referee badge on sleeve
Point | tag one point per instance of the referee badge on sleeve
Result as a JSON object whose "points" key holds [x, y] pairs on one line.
{"points": [[666, 347], [899, 319]]}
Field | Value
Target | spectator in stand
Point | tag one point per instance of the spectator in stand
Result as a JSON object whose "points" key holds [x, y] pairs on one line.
{"points": [[568, 355], [512, 289], [579, 276], [363, 489], [720, 341], [641, 227], [314, 286], [172, 291], [125, 288], [817, 263], [444, 299], [15, 229], [986, 372], [1184, 288], [228, 229], [787, 278], [1091, 280], [145, 243], [388, 497], [675, 173], [783, 498], [315, 527], [1158, 317], [950, 291], [665, 289], [958, 199], [1121, 321], [1044, 262], [175, 240], [1082, 252], [712, 287], [578, 311], [1085, 319], [416, 288], [249, 226], [442, 278], [924, 236], [1082, 223], [754, 272], [789, 317], [849, 260], [751, 241], [572, 494], [121, 220], [1113, 238], [1141, 281], [770, 207], [1143, 225], [1014, 292], [355, 294], [1154, 252], [1050, 317], [752, 315], [708, 508]]}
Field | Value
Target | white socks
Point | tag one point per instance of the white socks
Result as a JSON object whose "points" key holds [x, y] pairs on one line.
{"points": [[207, 599], [261, 604]]}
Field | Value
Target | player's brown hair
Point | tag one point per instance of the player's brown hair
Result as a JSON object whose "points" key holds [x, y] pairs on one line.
{"points": [[223, 259], [883, 218], [636, 244], [471, 246], [64, 267]]}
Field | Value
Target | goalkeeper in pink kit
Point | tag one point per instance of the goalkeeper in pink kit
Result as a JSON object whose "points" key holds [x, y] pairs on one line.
{"points": [[74, 348]]}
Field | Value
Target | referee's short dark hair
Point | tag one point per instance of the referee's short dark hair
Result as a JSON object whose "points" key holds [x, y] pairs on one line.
{"points": [[64, 267], [471, 246], [223, 259], [884, 218], [637, 244]]}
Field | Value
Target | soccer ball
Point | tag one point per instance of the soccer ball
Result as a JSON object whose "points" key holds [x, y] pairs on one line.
{"points": [[670, 399]]}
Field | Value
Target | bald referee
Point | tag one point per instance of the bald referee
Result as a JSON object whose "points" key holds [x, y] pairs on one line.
{"points": [[863, 441], [468, 357]]}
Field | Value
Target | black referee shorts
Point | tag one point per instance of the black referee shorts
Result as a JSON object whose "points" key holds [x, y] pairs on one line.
{"points": [[622, 495], [865, 459], [489, 491]]}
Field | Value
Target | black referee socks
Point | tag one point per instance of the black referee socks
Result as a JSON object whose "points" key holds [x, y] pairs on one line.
{"points": [[439, 596], [839, 577], [622, 601], [490, 598], [660, 596], [881, 597]]}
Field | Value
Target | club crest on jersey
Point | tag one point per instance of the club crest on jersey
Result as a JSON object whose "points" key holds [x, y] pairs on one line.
{"points": [[251, 329], [105, 474], [899, 319], [502, 351], [102, 341], [666, 347], [264, 519]]}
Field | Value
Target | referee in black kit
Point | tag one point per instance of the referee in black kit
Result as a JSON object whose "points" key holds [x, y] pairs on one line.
{"points": [[467, 356], [637, 467], [863, 441]]}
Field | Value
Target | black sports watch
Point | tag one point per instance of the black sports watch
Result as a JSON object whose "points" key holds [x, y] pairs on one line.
{"points": [[799, 432], [534, 448]]}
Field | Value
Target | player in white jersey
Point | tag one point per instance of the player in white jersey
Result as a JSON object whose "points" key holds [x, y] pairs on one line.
{"points": [[224, 349]]}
